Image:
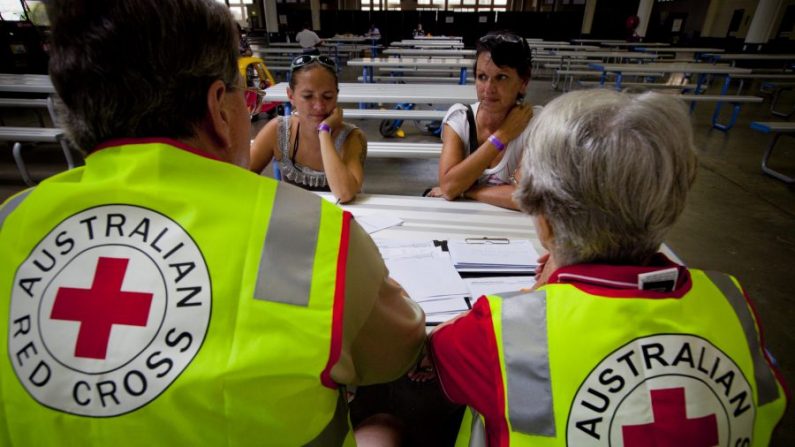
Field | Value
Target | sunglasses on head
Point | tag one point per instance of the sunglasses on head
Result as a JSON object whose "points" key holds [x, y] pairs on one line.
{"points": [[307, 59], [512, 38]]}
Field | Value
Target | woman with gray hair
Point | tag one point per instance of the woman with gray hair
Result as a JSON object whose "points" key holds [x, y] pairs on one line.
{"points": [[616, 344]]}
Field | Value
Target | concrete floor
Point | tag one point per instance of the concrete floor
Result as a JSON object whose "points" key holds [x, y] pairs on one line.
{"points": [[737, 220]]}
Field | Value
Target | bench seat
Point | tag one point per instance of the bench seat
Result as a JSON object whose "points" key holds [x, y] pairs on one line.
{"points": [[380, 114], [414, 69], [735, 100], [776, 88], [777, 128], [647, 85], [389, 149], [443, 79], [23, 102], [20, 135], [32, 103]]}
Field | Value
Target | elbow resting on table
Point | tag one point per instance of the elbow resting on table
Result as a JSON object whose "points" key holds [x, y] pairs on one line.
{"points": [[346, 197], [450, 190], [345, 194]]}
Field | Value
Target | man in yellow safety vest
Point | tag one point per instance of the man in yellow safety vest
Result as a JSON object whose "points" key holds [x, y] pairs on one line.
{"points": [[163, 294]]}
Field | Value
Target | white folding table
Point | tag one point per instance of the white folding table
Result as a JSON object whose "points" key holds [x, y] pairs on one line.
{"points": [[701, 69], [368, 63]]}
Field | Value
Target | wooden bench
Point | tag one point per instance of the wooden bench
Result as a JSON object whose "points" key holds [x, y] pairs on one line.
{"points": [[389, 149], [777, 128], [20, 135], [397, 114]]}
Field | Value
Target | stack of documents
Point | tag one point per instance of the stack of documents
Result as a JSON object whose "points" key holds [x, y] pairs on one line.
{"points": [[428, 276], [493, 255]]}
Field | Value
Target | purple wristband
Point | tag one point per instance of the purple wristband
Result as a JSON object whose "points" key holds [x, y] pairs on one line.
{"points": [[499, 145], [323, 127]]}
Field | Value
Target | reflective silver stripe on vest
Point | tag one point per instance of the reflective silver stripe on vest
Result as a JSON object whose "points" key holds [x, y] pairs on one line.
{"points": [[477, 434], [337, 428], [11, 205], [767, 389], [526, 353], [285, 269]]}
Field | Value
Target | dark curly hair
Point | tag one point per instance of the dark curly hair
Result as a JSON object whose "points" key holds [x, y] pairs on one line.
{"points": [[507, 50]]}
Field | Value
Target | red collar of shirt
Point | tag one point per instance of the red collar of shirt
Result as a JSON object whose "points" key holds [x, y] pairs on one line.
{"points": [[150, 140], [621, 281]]}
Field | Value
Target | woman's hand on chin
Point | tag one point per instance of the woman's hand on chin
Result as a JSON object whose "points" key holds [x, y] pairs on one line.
{"points": [[334, 120], [515, 123]]}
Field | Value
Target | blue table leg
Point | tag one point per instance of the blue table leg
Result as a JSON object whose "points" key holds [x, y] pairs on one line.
{"points": [[365, 80], [732, 119], [718, 106], [462, 78], [619, 78]]}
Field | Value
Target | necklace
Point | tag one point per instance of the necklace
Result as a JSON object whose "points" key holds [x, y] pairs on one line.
{"points": [[295, 145]]}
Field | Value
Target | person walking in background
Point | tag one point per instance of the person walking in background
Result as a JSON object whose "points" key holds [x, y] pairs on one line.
{"points": [[314, 148], [309, 40], [162, 294], [374, 32], [244, 46], [481, 143], [617, 345]]}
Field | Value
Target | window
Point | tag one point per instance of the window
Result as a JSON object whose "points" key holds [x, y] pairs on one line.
{"points": [[430, 5], [238, 9], [371, 5], [11, 10], [443, 5]]}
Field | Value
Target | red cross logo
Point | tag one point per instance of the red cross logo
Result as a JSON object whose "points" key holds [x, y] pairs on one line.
{"points": [[671, 427], [100, 307]]}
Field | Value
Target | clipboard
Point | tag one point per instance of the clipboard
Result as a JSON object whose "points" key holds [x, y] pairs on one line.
{"points": [[491, 256]]}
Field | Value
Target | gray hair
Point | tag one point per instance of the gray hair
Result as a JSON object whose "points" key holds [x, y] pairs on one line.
{"points": [[610, 171], [138, 68]]}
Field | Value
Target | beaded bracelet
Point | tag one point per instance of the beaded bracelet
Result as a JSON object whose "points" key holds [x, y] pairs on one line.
{"points": [[323, 127], [499, 145]]}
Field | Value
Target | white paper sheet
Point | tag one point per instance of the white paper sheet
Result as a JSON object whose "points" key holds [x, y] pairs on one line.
{"points": [[375, 222], [397, 249], [447, 305], [427, 277], [497, 285]]}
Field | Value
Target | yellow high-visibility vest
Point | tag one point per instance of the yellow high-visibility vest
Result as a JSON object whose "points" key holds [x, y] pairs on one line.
{"points": [[579, 369], [158, 297]]}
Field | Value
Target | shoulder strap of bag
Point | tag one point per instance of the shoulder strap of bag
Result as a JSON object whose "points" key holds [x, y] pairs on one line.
{"points": [[473, 130]]}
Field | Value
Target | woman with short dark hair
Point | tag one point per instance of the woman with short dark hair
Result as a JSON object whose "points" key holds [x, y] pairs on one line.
{"points": [[481, 150]]}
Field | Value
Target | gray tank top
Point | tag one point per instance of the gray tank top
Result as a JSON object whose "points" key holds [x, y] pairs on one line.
{"points": [[304, 176]]}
